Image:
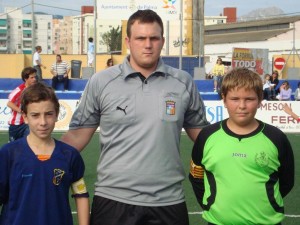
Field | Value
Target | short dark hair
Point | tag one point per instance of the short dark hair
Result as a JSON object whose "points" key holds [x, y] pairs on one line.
{"points": [[58, 55], [38, 47], [26, 72], [144, 16], [36, 93], [90, 39]]}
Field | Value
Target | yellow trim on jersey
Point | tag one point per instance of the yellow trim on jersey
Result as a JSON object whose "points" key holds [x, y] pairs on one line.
{"points": [[196, 171], [79, 187]]}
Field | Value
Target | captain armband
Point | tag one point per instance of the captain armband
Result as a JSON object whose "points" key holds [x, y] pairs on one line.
{"points": [[196, 171], [79, 187]]}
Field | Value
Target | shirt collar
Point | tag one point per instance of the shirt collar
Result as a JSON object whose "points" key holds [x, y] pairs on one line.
{"points": [[128, 71]]}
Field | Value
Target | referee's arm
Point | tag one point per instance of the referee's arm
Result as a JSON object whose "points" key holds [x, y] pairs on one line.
{"points": [[196, 170]]}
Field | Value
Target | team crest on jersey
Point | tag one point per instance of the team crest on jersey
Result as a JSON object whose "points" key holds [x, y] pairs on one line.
{"points": [[262, 159], [58, 175], [170, 108]]}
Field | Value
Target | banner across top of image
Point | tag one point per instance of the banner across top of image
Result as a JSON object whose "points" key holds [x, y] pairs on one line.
{"points": [[122, 9]]}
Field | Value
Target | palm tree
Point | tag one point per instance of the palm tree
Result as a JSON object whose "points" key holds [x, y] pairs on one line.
{"points": [[112, 39]]}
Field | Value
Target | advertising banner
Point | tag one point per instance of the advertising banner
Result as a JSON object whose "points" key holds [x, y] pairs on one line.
{"points": [[122, 9], [67, 108], [254, 59], [270, 112]]}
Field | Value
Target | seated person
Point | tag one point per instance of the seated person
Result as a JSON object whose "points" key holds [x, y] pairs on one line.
{"points": [[285, 92], [297, 93], [268, 88], [60, 70], [275, 81]]}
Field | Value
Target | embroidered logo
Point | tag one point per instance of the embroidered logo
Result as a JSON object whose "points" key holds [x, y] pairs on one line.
{"points": [[262, 159], [58, 174], [170, 108], [124, 110]]}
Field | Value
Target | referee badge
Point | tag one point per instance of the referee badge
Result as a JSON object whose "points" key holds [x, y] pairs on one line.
{"points": [[170, 107], [58, 174]]}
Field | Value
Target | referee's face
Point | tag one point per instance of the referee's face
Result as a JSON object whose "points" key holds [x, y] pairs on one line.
{"points": [[145, 45], [242, 105]]}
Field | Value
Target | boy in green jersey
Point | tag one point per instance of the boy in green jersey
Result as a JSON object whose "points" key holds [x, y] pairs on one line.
{"points": [[241, 167]]}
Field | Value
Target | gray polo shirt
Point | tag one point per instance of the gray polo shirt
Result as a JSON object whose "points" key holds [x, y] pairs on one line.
{"points": [[140, 127]]}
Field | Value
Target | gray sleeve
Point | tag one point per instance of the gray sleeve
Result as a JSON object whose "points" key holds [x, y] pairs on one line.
{"points": [[195, 116], [88, 112]]}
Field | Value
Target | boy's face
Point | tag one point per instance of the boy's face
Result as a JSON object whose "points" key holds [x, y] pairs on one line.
{"points": [[41, 118], [241, 105], [31, 79]]}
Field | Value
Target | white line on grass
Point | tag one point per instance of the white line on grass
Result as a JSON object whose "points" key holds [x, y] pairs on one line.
{"points": [[199, 213]]}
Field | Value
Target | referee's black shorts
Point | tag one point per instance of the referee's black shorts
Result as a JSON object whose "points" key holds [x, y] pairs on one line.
{"points": [[110, 212]]}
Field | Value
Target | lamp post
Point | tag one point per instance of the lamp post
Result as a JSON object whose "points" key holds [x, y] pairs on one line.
{"points": [[201, 34], [181, 24], [32, 28], [95, 34]]}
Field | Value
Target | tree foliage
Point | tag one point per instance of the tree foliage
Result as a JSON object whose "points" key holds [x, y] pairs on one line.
{"points": [[112, 39]]}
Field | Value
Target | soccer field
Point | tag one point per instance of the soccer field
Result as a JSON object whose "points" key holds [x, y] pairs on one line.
{"points": [[91, 154]]}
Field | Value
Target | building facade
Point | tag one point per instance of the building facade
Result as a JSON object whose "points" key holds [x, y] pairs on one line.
{"points": [[18, 34]]}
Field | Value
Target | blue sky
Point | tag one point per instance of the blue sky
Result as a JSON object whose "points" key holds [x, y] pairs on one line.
{"points": [[215, 7], [212, 7]]}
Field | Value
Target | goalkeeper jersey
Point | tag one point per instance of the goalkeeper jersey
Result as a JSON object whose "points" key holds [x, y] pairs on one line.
{"points": [[245, 177]]}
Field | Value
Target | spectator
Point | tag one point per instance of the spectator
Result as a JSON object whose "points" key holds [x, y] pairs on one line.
{"points": [[218, 73], [285, 92], [275, 81], [37, 63], [91, 50], [60, 71], [17, 127], [297, 93], [37, 171], [109, 62], [141, 106], [268, 88], [242, 168]]}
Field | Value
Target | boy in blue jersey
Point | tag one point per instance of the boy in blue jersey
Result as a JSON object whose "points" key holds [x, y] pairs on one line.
{"points": [[37, 171], [241, 167]]}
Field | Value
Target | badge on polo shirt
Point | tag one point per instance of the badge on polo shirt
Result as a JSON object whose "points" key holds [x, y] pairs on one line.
{"points": [[170, 107]]}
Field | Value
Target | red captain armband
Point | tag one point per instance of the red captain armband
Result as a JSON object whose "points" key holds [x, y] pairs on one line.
{"points": [[196, 171], [298, 120]]}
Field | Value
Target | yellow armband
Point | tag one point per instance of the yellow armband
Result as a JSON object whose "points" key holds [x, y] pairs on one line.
{"points": [[79, 187], [196, 171]]}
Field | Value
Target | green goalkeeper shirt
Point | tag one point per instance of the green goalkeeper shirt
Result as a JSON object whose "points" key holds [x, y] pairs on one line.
{"points": [[245, 177]]}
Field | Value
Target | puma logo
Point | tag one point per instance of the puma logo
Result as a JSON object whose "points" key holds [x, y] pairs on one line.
{"points": [[124, 110]]}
